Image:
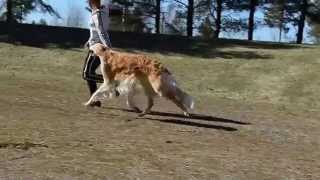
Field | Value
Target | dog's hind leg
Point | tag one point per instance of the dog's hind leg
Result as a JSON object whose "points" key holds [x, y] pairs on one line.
{"points": [[150, 104], [180, 104], [166, 86], [150, 93], [130, 101]]}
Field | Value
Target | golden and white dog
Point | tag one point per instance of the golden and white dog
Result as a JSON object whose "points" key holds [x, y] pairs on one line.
{"points": [[127, 69]]}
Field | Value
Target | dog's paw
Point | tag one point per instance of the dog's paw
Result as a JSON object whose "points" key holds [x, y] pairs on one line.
{"points": [[186, 114], [141, 114], [86, 103], [145, 112], [92, 104], [136, 109]]}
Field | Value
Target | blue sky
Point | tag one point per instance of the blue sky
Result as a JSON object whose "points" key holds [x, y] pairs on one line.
{"points": [[64, 7]]}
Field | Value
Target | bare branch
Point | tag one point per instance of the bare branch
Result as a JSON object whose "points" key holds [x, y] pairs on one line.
{"points": [[144, 3], [182, 3], [46, 7]]}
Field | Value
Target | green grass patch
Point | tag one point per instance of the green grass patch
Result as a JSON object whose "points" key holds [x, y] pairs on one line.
{"points": [[281, 77]]}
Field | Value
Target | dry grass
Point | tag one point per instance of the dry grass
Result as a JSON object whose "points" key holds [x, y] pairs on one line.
{"points": [[257, 118]]}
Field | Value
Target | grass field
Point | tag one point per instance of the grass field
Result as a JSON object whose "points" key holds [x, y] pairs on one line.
{"points": [[257, 117]]}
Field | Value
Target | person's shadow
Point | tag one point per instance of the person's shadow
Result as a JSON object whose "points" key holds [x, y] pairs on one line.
{"points": [[183, 120]]}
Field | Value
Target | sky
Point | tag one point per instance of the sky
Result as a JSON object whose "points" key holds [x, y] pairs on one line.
{"points": [[64, 8]]}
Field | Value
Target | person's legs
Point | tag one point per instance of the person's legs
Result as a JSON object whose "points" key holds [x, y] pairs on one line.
{"points": [[92, 62]]}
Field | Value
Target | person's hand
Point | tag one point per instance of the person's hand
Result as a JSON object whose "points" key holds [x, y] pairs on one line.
{"points": [[86, 45]]}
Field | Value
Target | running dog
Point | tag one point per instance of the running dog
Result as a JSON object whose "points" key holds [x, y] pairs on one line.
{"points": [[122, 71]]}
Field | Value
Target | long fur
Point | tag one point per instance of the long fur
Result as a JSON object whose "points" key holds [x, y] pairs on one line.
{"points": [[121, 72]]}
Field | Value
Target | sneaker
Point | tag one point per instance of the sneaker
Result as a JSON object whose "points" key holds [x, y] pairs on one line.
{"points": [[117, 93], [96, 104]]}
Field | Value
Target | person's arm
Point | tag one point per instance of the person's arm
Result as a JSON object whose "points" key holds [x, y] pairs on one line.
{"points": [[101, 28]]}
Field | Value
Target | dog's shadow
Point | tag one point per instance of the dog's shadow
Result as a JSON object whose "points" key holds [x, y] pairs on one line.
{"points": [[183, 120]]}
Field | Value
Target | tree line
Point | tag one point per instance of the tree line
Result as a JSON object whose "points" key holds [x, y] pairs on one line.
{"points": [[211, 17], [206, 17]]}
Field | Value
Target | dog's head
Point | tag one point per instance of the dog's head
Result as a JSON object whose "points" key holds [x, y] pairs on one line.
{"points": [[99, 49]]}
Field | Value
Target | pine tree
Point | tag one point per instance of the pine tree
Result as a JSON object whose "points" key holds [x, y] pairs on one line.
{"points": [[18, 9], [276, 16], [252, 7], [313, 12], [302, 6], [295, 12], [190, 16], [158, 15], [313, 15], [206, 29], [144, 9]]}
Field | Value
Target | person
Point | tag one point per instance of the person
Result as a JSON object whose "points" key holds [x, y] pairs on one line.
{"points": [[98, 34]]}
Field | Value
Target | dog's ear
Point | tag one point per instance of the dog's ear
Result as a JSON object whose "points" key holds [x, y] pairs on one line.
{"points": [[99, 49]]}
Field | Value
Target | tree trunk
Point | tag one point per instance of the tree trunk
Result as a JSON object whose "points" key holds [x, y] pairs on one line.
{"points": [[190, 18], [124, 18], [281, 23], [301, 22], [218, 20], [158, 16], [280, 33], [253, 4], [9, 12]]}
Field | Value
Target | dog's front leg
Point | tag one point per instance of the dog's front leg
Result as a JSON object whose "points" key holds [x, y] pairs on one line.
{"points": [[108, 78], [100, 94]]}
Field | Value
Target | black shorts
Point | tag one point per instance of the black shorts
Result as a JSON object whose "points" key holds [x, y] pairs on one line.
{"points": [[90, 66]]}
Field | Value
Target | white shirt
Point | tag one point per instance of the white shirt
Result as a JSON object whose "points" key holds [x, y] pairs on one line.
{"points": [[99, 23]]}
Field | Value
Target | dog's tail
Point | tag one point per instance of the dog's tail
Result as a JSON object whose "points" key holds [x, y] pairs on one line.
{"points": [[185, 98], [182, 97]]}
